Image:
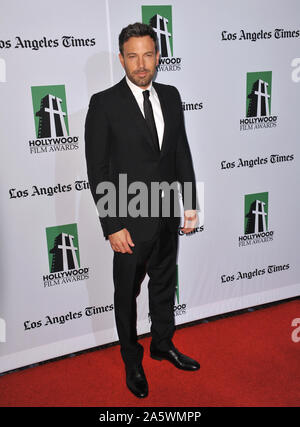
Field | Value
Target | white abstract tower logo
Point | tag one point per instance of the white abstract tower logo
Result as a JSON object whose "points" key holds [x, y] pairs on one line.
{"points": [[51, 117], [260, 104], [259, 87], [259, 216], [65, 253], [160, 19], [256, 209], [50, 111], [160, 26]]}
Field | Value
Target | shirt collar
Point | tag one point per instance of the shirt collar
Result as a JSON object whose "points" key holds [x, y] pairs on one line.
{"points": [[136, 90]]}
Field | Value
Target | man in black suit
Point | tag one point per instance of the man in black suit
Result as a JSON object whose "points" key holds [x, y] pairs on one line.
{"points": [[135, 130]]}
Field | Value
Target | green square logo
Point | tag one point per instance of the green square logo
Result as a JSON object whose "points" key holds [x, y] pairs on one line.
{"points": [[63, 248], [50, 111], [256, 213], [258, 96], [160, 19]]}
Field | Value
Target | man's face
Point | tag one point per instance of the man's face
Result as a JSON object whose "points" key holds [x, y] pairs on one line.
{"points": [[139, 60]]}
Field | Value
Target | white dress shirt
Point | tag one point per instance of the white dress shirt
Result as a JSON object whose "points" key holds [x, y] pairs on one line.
{"points": [[157, 112]]}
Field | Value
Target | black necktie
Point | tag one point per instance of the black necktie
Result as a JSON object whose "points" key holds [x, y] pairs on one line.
{"points": [[149, 117]]}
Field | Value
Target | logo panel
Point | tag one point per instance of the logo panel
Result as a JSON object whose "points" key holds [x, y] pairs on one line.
{"points": [[160, 19], [63, 248], [64, 256], [258, 102], [51, 121], [256, 220]]}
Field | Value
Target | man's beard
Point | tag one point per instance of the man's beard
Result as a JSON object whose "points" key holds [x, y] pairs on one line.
{"points": [[141, 81]]}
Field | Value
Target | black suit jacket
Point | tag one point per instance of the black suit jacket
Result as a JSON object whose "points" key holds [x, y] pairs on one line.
{"points": [[118, 142]]}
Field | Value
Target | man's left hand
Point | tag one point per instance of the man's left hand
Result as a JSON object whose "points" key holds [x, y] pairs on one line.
{"points": [[190, 221]]}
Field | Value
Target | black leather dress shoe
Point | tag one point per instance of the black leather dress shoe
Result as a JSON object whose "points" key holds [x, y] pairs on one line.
{"points": [[178, 359], [136, 381]]}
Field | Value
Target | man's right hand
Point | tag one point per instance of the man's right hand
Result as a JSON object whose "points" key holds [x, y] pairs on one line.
{"points": [[121, 241]]}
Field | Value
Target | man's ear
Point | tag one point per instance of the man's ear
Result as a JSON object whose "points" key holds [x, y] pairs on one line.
{"points": [[121, 58], [157, 57]]}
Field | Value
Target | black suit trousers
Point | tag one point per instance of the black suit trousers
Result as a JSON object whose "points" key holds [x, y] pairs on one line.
{"points": [[156, 257]]}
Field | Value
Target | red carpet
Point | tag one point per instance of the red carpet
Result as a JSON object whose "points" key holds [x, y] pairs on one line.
{"points": [[246, 360]]}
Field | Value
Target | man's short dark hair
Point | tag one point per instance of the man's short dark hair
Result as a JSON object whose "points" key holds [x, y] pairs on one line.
{"points": [[136, 30]]}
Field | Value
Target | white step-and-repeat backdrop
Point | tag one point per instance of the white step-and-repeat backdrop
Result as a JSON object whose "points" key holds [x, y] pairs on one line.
{"points": [[237, 67]]}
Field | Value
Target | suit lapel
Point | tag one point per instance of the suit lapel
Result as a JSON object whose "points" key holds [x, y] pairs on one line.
{"points": [[166, 116]]}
